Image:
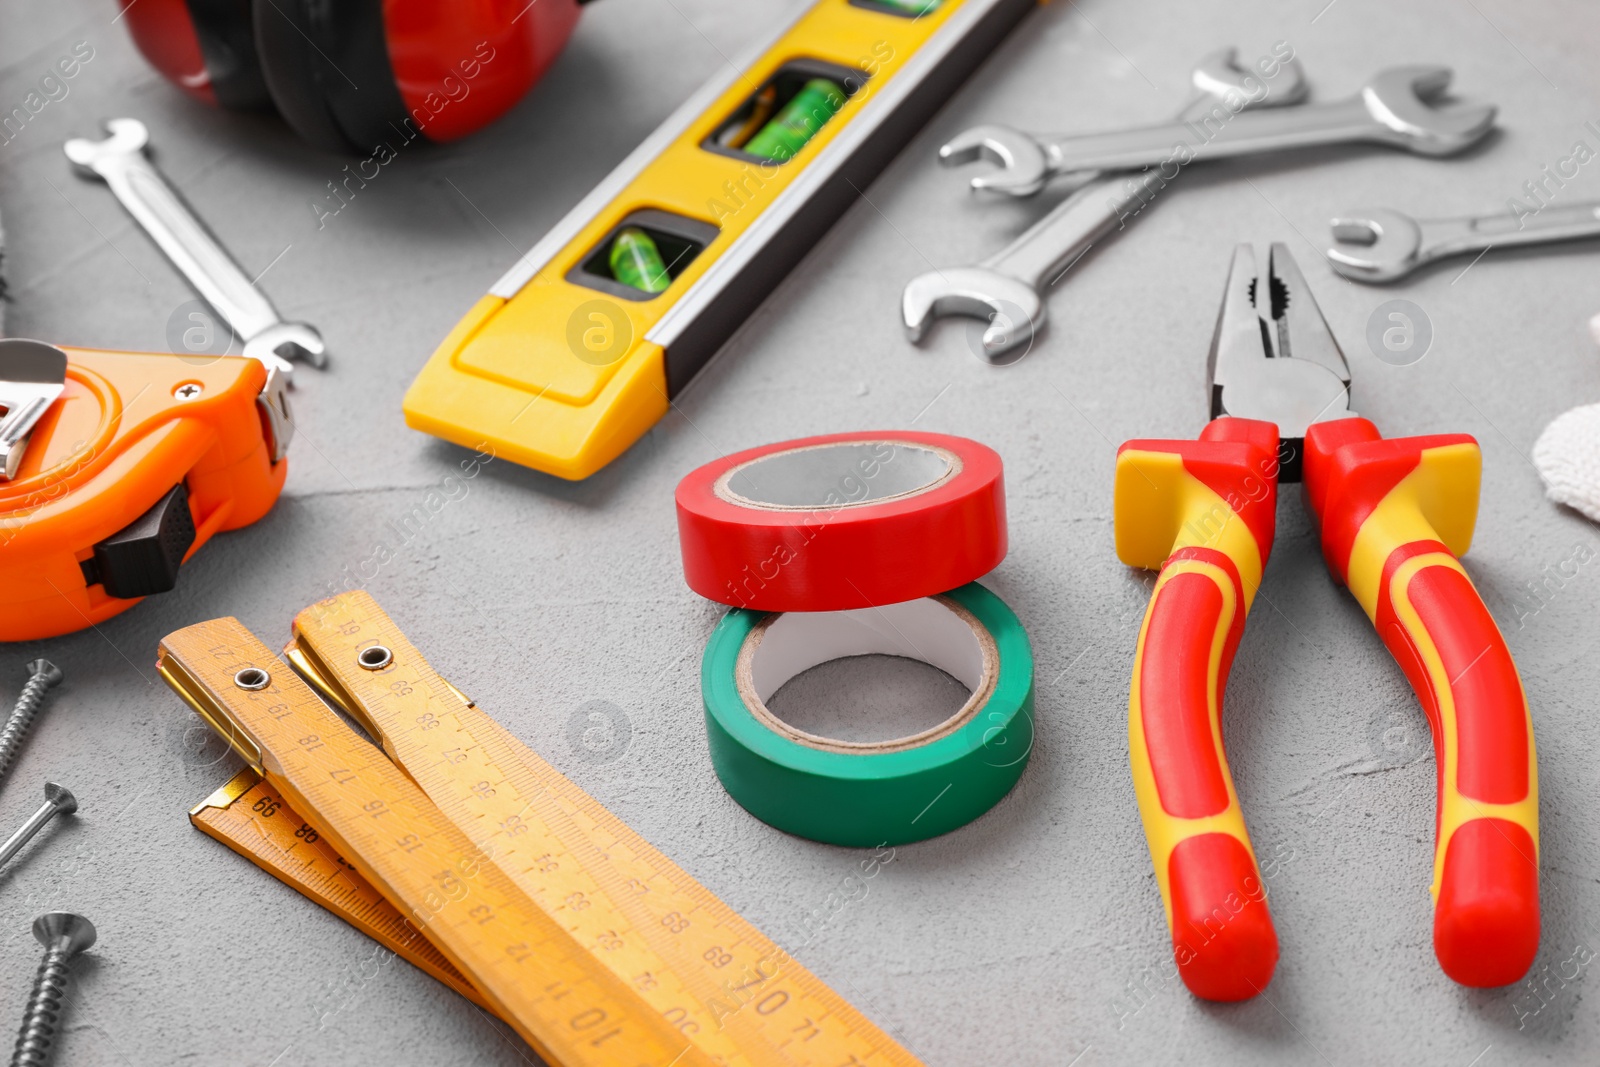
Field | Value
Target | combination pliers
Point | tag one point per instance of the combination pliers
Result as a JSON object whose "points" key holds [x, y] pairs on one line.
{"points": [[1394, 516]]}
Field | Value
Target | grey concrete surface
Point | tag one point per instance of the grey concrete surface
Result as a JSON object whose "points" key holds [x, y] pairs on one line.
{"points": [[1031, 937]]}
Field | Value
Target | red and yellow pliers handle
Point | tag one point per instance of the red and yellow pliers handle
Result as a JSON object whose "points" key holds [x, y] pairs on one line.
{"points": [[1395, 516], [1203, 513]]}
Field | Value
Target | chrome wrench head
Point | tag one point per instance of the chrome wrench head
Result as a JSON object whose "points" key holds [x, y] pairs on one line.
{"points": [[279, 343], [1406, 101], [1025, 165], [1012, 307], [1219, 74], [125, 137], [1005, 288], [1379, 245]]}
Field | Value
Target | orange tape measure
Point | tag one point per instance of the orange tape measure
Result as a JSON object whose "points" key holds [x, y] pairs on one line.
{"points": [[685, 959], [118, 469]]}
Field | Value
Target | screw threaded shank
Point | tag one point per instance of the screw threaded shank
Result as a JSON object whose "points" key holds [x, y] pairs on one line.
{"points": [[45, 1004], [42, 675]]}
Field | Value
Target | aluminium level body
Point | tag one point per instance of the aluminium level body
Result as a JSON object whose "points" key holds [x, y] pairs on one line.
{"points": [[560, 367]]}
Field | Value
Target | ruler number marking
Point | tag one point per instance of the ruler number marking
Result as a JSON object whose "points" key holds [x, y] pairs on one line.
{"points": [[772, 1002]]}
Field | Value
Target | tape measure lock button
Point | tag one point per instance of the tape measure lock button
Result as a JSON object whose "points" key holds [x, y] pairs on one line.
{"points": [[142, 559], [863, 794]]}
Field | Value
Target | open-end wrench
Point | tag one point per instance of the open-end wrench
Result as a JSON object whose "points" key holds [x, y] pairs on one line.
{"points": [[1398, 107], [1383, 245], [1005, 288], [120, 160]]}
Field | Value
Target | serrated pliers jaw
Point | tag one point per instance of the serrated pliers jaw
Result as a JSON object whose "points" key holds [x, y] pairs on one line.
{"points": [[1273, 357]]}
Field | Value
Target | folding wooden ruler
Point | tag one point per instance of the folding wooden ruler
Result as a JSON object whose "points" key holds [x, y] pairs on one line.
{"points": [[534, 899]]}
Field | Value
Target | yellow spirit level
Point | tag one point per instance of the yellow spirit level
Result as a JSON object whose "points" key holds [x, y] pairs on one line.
{"points": [[582, 345]]}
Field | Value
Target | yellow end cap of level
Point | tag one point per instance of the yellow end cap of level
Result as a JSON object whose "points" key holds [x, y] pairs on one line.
{"points": [[531, 425]]}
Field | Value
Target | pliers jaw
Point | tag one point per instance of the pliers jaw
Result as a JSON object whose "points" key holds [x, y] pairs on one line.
{"points": [[1273, 357]]}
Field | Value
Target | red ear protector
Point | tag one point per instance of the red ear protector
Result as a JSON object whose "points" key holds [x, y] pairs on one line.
{"points": [[349, 74]]}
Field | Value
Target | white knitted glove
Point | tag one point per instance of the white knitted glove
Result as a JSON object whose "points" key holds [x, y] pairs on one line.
{"points": [[1568, 457]]}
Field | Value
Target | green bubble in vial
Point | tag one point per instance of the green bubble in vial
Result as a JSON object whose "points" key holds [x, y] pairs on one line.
{"points": [[799, 120], [911, 7], [636, 261]]}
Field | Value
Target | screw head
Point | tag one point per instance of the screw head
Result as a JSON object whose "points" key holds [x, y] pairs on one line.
{"points": [[188, 391], [45, 671], [61, 797], [64, 930]]}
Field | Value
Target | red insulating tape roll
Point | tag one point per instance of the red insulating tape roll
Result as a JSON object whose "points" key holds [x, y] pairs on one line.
{"points": [[842, 521]]}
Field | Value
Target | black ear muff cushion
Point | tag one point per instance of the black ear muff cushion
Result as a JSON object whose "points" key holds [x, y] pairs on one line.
{"points": [[228, 45], [327, 67]]}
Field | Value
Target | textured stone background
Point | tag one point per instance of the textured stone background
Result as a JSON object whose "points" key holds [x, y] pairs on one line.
{"points": [[1032, 936]]}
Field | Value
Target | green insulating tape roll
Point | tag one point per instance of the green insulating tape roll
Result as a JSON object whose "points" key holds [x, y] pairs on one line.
{"points": [[864, 794], [799, 120], [635, 260]]}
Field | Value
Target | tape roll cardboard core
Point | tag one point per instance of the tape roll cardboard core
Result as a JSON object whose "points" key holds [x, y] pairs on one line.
{"points": [[934, 630], [838, 475]]}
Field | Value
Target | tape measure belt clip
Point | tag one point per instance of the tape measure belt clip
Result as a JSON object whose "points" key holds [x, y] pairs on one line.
{"points": [[894, 792]]}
